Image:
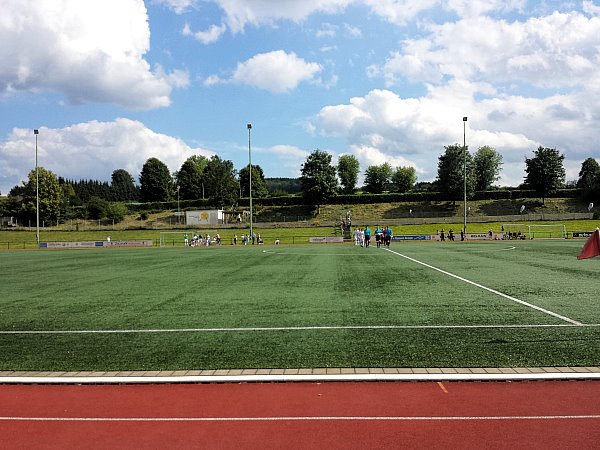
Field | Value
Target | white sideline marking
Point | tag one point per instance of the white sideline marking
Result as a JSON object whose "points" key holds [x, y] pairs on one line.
{"points": [[299, 328], [298, 418], [493, 291]]}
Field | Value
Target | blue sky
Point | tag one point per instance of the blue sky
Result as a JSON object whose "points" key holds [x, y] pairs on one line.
{"points": [[112, 83]]}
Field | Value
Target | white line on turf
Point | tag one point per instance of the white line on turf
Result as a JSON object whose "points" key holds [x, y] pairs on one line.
{"points": [[493, 291], [298, 418], [298, 328]]}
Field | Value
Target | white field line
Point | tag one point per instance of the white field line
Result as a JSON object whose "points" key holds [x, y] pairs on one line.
{"points": [[299, 418], [493, 291], [299, 328]]}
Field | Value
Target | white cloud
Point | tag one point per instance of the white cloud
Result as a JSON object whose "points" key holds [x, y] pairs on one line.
{"points": [[275, 71], [399, 12], [240, 13], [383, 126], [64, 46], [556, 51], [289, 156], [209, 36], [590, 8], [90, 150], [179, 6]]}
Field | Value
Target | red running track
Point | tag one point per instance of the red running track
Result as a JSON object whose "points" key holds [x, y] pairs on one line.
{"points": [[544, 415]]}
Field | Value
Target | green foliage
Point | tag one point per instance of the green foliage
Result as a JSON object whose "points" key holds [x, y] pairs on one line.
{"points": [[545, 171], [348, 169], [220, 182], [318, 178], [96, 208], [451, 173], [117, 211], [122, 186], [156, 182], [403, 179], [377, 178], [589, 179], [283, 186], [487, 167], [259, 187], [51, 197], [190, 177]]}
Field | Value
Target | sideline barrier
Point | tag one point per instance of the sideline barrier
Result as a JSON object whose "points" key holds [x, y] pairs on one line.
{"points": [[95, 244]]}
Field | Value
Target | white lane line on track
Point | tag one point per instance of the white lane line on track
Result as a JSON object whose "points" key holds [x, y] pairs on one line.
{"points": [[302, 328], [298, 418], [493, 291]]}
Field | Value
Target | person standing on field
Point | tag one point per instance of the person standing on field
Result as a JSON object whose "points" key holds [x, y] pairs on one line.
{"points": [[367, 236], [387, 236], [378, 236]]}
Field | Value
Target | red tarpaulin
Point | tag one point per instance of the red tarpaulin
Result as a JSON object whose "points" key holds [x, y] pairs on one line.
{"points": [[591, 247]]}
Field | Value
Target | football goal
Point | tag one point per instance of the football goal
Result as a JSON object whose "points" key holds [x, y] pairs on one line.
{"points": [[557, 231], [514, 230]]}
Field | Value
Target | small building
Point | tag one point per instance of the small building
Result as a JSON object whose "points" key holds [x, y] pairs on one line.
{"points": [[205, 217]]}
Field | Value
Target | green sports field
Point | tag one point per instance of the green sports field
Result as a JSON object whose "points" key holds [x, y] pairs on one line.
{"points": [[421, 304]]}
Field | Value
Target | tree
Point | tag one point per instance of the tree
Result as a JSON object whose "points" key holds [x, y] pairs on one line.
{"points": [[156, 182], [348, 169], [259, 186], [377, 178], [545, 171], [404, 179], [50, 196], [97, 208], [190, 177], [487, 167], [220, 182], [122, 186], [589, 179], [318, 178], [451, 173], [117, 211]]}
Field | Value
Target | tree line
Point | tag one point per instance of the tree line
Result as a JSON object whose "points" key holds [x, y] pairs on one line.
{"points": [[220, 183]]}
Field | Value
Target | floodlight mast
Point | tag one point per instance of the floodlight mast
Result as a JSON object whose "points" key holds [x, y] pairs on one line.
{"points": [[249, 126], [37, 191], [465, 171]]}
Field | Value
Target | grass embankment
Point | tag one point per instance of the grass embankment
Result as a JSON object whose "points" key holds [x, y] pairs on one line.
{"points": [[441, 215]]}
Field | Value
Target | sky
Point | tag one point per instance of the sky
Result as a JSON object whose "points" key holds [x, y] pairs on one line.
{"points": [[111, 83]]}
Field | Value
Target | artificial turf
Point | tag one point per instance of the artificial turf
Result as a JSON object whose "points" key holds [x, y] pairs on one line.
{"points": [[299, 306]]}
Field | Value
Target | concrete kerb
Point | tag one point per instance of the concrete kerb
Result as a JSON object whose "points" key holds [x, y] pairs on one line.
{"points": [[303, 375]]}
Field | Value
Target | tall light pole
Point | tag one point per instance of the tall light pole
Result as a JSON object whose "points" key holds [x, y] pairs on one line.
{"points": [[178, 211], [37, 191], [250, 175], [465, 170]]}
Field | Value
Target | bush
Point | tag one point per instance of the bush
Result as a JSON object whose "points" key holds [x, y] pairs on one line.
{"points": [[117, 212], [96, 208]]}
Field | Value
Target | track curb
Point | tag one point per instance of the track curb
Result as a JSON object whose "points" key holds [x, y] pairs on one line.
{"points": [[302, 375]]}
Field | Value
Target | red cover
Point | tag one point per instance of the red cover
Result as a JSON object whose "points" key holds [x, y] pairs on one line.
{"points": [[591, 247]]}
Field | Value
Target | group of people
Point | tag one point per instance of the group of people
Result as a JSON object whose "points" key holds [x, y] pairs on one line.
{"points": [[197, 240], [248, 239], [383, 236]]}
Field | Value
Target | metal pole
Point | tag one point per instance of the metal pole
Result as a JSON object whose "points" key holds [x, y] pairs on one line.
{"points": [[37, 191], [250, 174], [465, 170], [178, 212]]}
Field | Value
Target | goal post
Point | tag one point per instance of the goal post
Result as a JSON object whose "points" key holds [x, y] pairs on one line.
{"points": [[557, 231], [514, 230]]}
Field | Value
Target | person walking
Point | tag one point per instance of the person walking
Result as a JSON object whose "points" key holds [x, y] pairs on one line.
{"points": [[367, 236], [387, 236]]}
